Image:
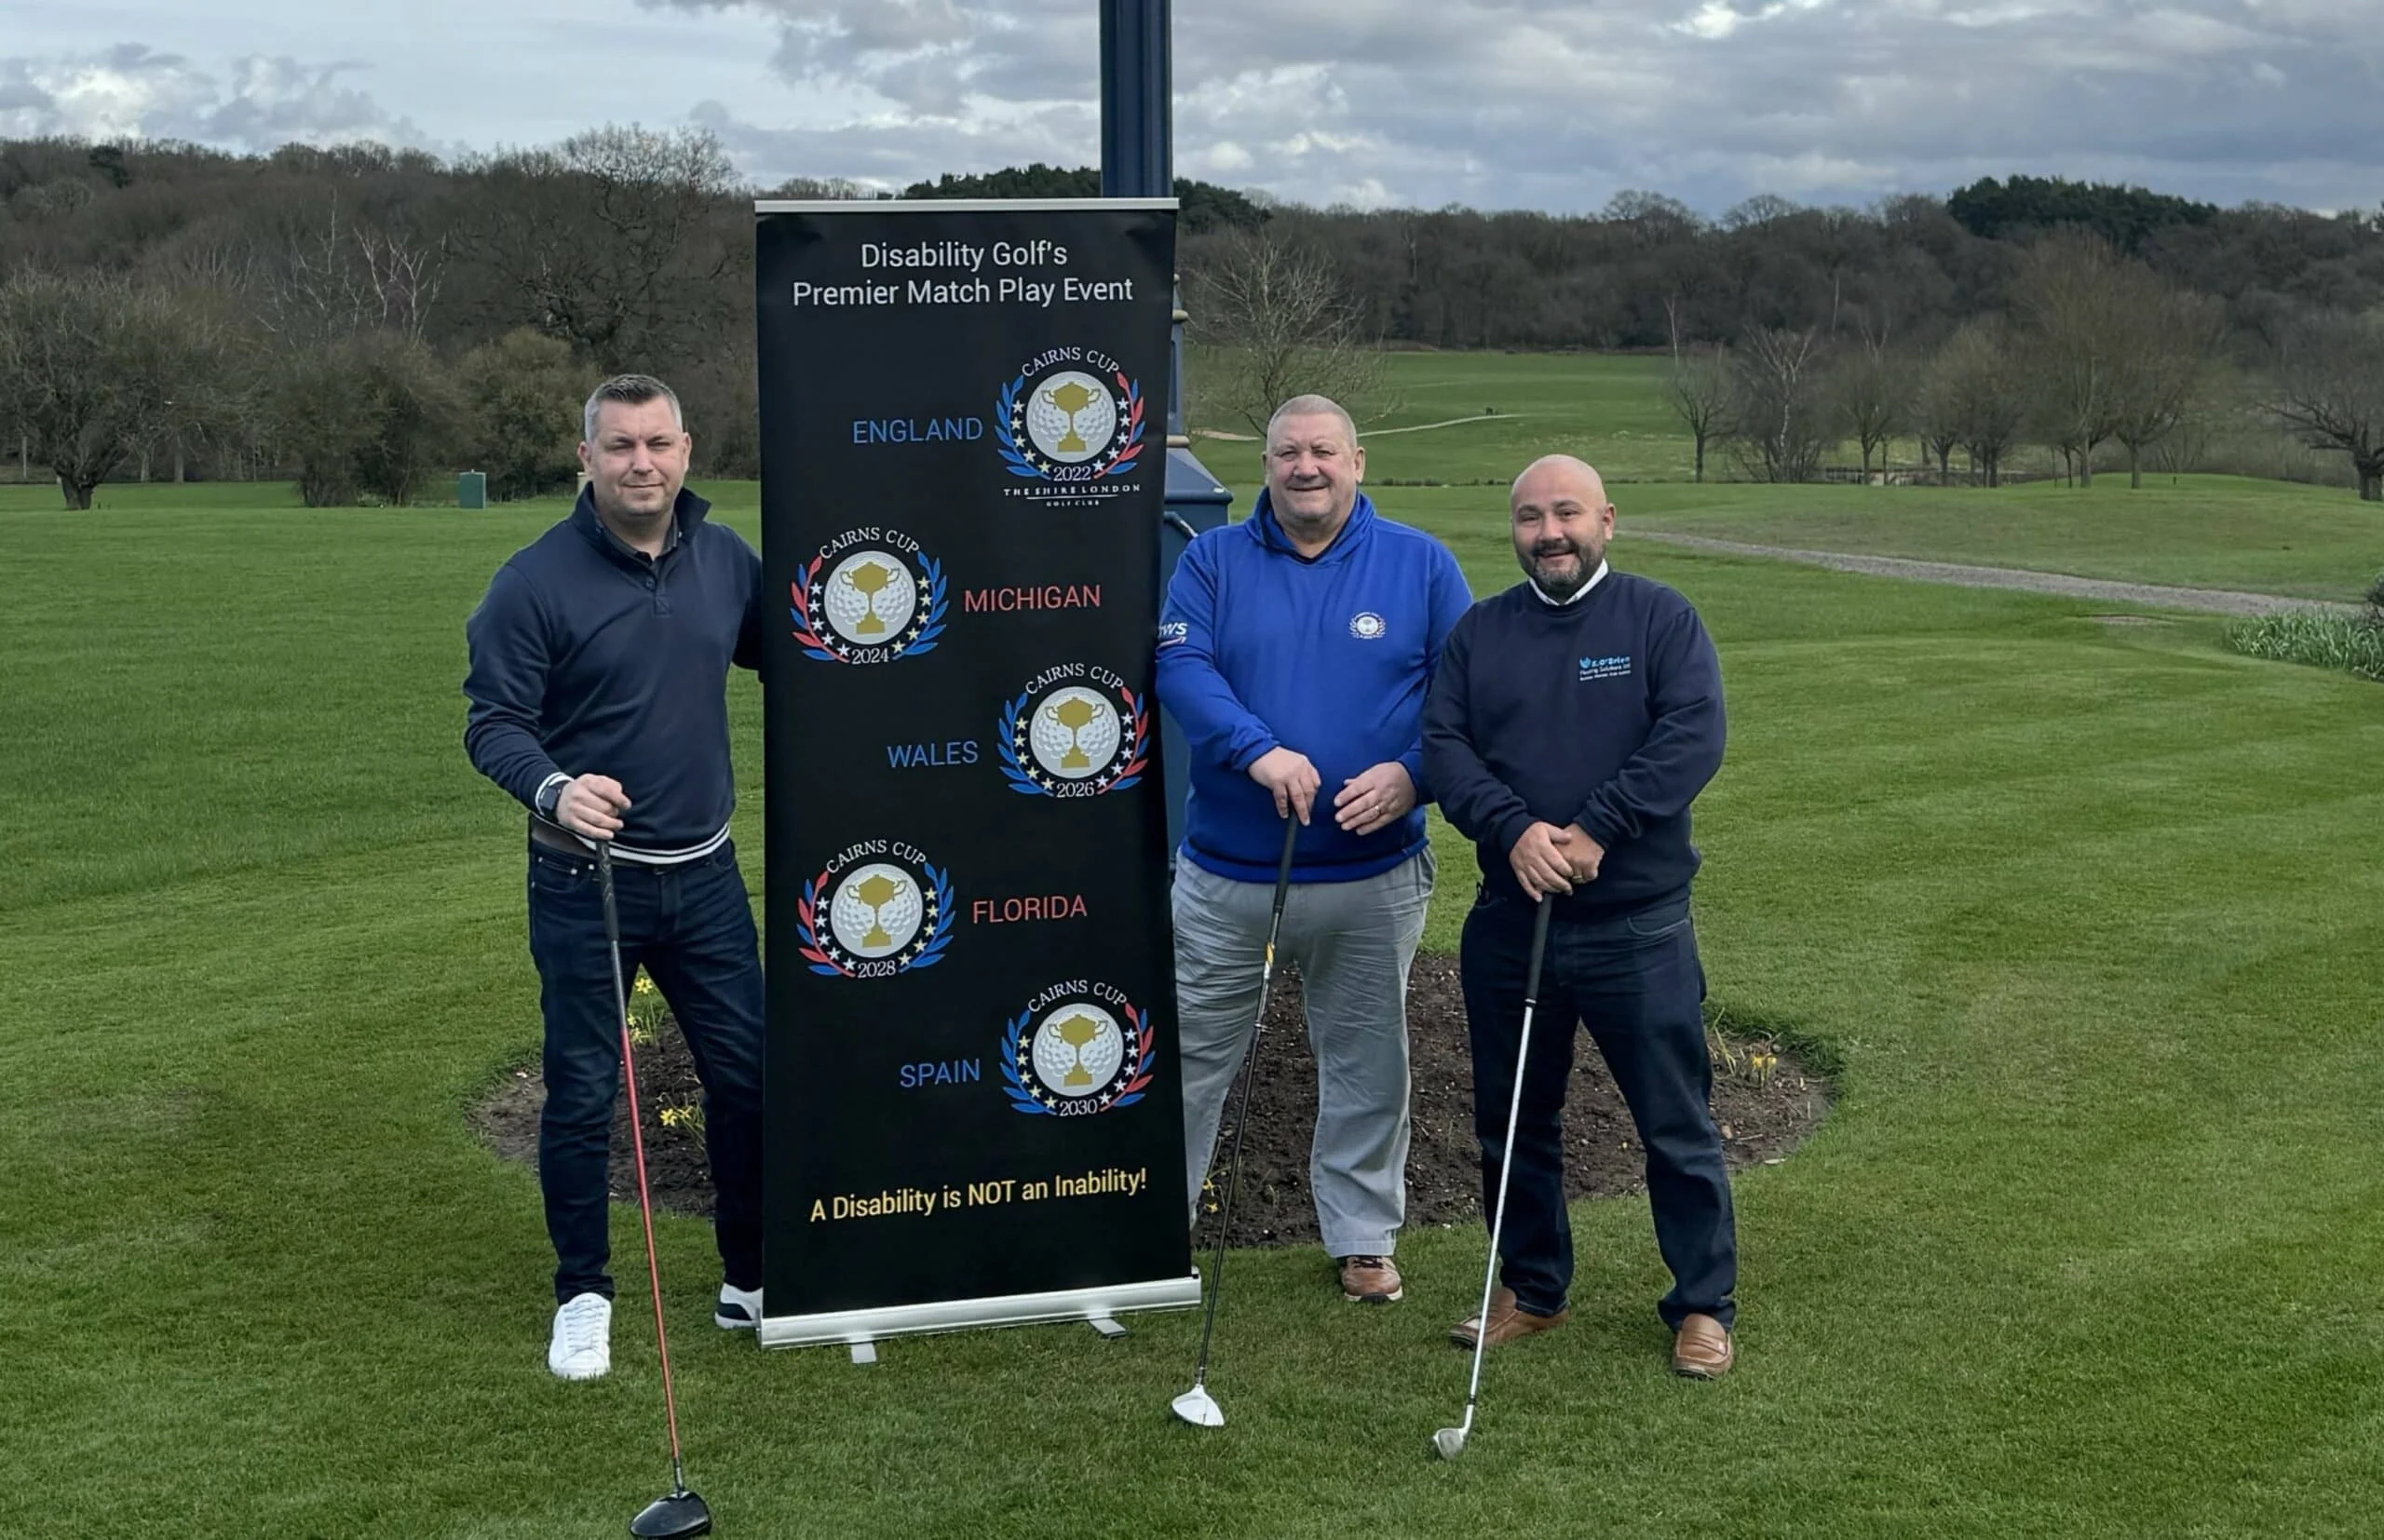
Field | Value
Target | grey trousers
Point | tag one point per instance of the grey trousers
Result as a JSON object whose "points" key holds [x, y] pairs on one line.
{"points": [[1353, 942]]}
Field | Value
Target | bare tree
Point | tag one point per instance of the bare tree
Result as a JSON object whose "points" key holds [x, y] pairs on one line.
{"points": [[605, 241], [1699, 389], [2067, 293], [1871, 391], [2164, 342], [1977, 396], [97, 368], [1778, 417], [331, 278], [1276, 323], [2328, 389]]}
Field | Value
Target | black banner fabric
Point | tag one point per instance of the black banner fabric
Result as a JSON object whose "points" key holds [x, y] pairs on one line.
{"points": [[971, 1085]]}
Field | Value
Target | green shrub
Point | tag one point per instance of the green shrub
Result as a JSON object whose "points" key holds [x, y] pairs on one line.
{"points": [[2355, 643]]}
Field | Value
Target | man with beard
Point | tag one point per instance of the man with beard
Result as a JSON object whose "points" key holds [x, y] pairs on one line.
{"points": [[1295, 651], [1573, 719]]}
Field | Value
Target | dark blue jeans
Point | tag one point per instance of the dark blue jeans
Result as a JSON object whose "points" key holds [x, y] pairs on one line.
{"points": [[691, 927], [1635, 981]]}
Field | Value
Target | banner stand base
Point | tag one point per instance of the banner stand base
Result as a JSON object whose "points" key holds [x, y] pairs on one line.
{"points": [[1098, 1307]]}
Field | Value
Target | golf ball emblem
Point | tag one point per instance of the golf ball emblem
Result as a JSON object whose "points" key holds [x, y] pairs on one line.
{"points": [[1077, 1050], [875, 909], [1080, 1046], [869, 596], [1077, 730], [1071, 415]]}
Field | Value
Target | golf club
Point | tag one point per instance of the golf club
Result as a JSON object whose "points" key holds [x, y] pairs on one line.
{"points": [[678, 1512], [1450, 1441], [1197, 1406]]}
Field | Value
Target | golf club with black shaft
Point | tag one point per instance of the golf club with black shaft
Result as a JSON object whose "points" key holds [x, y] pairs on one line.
{"points": [[1450, 1441], [678, 1512], [1197, 1406]]}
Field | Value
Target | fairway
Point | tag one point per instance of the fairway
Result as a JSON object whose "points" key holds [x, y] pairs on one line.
{"points": [[2206, 532], [2086, 922]]}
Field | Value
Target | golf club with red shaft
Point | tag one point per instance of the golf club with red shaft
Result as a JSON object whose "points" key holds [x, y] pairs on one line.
{"points": [[679, 1512]]}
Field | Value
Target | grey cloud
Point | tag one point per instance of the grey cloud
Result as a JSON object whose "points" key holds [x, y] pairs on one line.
{"points": [[130, 91], [1553, 104]]}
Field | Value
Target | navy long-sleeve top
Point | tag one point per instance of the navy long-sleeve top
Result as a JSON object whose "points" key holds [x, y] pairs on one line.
{"points": [[1605, 712], [590, 657]]}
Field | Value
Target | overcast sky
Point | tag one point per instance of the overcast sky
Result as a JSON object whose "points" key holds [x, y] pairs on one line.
{"points": [[1554, 104]]}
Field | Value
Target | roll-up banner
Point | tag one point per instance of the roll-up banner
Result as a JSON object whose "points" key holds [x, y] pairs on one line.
{"points": [[973, 1112]]}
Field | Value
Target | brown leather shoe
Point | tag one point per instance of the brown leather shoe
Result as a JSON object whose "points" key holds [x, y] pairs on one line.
{"points": [[1370, 1280], [1507, 1322], [1702, 1349]]}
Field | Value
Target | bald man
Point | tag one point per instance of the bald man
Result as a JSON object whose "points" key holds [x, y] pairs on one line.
{"points": [[1573, 719]]}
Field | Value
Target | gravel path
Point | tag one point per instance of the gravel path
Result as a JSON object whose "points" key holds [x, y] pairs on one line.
{"points": [[2216, 600]]}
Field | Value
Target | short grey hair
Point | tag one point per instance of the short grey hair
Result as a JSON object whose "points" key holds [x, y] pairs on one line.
{"points": [[1313, 406], [630, 390]]}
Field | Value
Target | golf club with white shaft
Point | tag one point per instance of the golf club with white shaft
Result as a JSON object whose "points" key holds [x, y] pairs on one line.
{"points": [[677, 1513], [1197, 1406], [1450, 1441]]}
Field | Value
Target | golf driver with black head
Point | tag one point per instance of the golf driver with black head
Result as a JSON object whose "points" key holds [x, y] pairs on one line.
{"points": [[1197, 1406], [678, 1512], [1450, 1441]]}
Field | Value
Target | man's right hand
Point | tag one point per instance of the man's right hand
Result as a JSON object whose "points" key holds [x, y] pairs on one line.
{"points": [[1291, 777], [591, 806], [1539, 861]]}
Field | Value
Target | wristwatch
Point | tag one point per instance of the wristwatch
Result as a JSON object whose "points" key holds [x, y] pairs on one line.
{"points": [[550, 798]]}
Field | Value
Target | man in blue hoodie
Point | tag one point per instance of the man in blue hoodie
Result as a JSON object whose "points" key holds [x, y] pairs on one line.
{"points": [[1295, 651], [1574, 719], [599, 659]]}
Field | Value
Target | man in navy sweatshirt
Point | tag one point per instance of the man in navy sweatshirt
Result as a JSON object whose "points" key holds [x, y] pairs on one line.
{"points": [[1295, 651], [599, 659], [1574, 719]]}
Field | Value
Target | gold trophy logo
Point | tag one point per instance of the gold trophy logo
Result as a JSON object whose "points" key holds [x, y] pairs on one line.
{"points": [[1070, 398]]}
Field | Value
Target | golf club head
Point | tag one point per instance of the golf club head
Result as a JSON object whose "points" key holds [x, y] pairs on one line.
{"points": [[1198, 1408], [672, 1517], [1449, 1442]]}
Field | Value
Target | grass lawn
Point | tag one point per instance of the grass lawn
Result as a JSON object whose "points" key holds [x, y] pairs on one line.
{"points": [[1604, 408], [2088, 918]]}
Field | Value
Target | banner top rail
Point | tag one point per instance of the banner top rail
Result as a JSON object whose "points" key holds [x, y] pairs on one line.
{"points": [[954, 204]]}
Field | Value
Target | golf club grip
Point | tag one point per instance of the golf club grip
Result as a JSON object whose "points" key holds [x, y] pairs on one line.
{"points": [[604, 881], [1539, 949], [1283, 866]]}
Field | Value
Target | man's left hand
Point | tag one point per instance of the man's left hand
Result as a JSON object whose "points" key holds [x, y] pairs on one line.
{"points": [[1376, 799], [1582, 853]]}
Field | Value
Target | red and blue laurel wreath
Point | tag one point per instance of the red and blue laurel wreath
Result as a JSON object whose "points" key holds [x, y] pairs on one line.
{"points": [[1128, 774], [1138, 1029], [1015, 458], [830, 961], [1133, 445], [807, 623]]}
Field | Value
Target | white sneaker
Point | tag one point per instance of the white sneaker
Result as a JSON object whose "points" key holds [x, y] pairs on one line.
{"points": [[739, 1309], [582, 1349]]}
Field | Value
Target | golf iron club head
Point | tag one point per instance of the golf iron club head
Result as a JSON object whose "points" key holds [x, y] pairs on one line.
{"points": [[1198, 1408], [672, 1517], [1449, 1442]]}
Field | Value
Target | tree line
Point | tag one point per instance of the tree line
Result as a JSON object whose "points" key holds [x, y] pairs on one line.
{"points": [[362, 319]]}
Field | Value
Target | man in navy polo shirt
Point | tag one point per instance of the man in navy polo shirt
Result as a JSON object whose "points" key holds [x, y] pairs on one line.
{"points": [[597, 686], [1574, 719], [1295, 651]]}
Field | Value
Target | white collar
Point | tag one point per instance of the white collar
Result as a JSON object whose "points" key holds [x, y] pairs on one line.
{"points": [[1583, 592]]}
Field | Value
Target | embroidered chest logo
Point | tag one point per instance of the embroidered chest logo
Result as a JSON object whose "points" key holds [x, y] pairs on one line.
{"points": [[1366, 626], [1605, 668]]}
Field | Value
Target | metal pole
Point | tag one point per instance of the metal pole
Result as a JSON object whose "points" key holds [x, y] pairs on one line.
{"points": [[1138, 160]]}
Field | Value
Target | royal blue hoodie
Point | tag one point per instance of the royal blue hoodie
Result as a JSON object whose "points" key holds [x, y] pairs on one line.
{"points": [[1261, 647]]}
